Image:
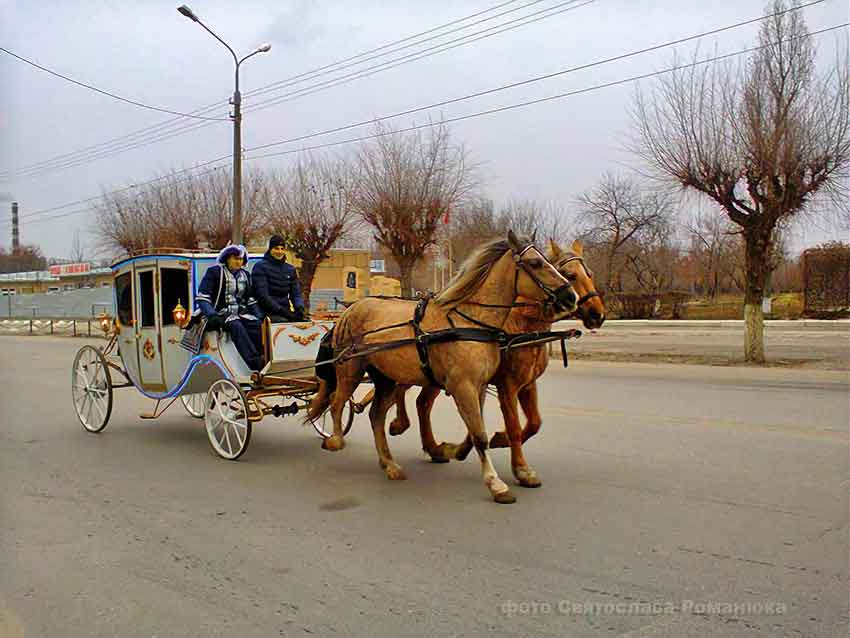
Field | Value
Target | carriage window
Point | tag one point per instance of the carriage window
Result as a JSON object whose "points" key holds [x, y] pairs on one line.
{"points": [[174, 287], [124, 299], [146, 298]]}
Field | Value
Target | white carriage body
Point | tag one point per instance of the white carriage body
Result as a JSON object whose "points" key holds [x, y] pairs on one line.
{"points": [[147, 288]]}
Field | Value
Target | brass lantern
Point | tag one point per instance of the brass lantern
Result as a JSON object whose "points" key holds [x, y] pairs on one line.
{"points": [[180, 314], [105, 322]]}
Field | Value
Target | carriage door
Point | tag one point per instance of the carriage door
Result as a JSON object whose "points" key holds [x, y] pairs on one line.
{"points": [[148, 339], [173, 290]]}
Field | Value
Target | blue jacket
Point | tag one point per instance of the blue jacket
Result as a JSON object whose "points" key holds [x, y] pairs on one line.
{"points": [[276, 285], [210, 299]]}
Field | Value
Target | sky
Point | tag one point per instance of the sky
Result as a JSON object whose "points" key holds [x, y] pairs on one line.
{"points": [[149, 53]]}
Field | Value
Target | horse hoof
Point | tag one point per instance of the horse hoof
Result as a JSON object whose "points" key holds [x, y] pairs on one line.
{"points": [[333, 443], [499, 439], [398, 427], [527, 478], [439, 459], [505, 498], [395, 473]]}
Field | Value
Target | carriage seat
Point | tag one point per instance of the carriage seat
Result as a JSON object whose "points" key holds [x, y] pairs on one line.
{"points": [[291, 346]]}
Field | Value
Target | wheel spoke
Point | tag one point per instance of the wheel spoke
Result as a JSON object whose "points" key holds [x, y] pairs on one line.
{"points": [[227, 436], [100, 410]]}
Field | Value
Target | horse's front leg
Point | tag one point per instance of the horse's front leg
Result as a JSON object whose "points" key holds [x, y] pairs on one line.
{"points": [[348, 378], [524, 474], [424, 405], [528, 402], [469, 401], [401, 421]]}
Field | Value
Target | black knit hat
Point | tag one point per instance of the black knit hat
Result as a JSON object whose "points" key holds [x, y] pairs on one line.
{"points": [[276, 240]]}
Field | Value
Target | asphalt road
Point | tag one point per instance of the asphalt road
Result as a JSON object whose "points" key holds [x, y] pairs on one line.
{"points": [[677, 501]]}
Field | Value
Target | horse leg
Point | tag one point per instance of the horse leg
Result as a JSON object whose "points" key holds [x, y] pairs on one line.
{"points": [[385, 395], [524, 474], [401, 421], [528, 401], [424, 404], [470, 404], [347, 382]]}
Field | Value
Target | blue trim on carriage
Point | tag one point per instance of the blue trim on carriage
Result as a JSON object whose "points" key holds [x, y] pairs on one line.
{"points": [[193, 258], [193, 363]]}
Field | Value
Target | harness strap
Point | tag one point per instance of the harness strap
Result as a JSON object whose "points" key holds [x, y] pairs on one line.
{"points": [[422, 341]]}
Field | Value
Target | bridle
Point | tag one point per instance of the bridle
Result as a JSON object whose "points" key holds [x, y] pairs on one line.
{"points": [[587, 296]]}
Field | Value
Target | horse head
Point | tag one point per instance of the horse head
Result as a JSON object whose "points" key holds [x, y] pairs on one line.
{"points": [[570, 263], [537, 279]]}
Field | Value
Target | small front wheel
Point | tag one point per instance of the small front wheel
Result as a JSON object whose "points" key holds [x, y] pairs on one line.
{"points": [[194, 404], [226, 418], [91, 388]]}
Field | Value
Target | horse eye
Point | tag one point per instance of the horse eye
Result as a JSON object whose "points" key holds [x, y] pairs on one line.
{"points": [[572, 276]]}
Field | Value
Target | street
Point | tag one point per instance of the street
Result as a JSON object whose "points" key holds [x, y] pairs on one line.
{"points": [[677, 500]]}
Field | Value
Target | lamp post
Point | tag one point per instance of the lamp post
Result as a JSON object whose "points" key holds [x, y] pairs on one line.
{"points": [[236, 116]]}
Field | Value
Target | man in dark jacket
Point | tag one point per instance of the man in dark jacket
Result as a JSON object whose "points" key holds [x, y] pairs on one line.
{"points": [[276, 284], [224, 298]]}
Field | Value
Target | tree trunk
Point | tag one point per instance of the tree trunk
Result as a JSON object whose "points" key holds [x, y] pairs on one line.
{"points": [[305, 277], [406, 276], [757, 265]]}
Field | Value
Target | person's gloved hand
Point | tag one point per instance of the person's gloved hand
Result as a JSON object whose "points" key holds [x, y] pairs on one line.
{"points": [[299, 313], [215, 323]]}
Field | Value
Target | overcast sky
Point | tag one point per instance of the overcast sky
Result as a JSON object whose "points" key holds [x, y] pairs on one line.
{"points": [[146, 51]]}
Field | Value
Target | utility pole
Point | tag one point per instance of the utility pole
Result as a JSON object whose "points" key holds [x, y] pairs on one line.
{"points": [[16, 231]]}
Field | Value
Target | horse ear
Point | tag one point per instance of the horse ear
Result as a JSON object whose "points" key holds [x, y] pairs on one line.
{"points": [[554, 249], [534, 236], [513, 242], [577, 247]]}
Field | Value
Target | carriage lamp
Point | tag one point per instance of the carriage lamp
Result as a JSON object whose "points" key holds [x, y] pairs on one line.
{"points": [[179, 314], [105, 322]]}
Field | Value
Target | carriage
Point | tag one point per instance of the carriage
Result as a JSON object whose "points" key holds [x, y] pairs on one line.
{"points": [[153, 293]]}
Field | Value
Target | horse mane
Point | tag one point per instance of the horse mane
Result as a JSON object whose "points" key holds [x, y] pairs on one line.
{"points": [[473, 272]]}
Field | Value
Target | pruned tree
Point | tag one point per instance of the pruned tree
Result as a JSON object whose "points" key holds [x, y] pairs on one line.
{"points": [[176, 212], [763, 141], [617, 211], [407, 185], [310, 207]]}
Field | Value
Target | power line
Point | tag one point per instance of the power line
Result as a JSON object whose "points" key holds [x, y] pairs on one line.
{"points": [[171, 122], [164, 135], [493, 110], [107, 93], [531, 80]]}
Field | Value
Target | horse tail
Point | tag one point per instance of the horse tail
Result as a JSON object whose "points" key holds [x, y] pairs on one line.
{"points": [[326, 373]]}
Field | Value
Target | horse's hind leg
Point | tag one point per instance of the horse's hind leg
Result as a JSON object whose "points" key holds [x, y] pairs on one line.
{"points": [[348, 378], [401, 421], [469, 404], [528, 401], [384, 398]]}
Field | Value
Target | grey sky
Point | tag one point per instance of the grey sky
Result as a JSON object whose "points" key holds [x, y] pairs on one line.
{"points": [[148, 52]]}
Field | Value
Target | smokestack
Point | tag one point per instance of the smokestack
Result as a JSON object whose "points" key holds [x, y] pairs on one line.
{"points": [[16, 234]]}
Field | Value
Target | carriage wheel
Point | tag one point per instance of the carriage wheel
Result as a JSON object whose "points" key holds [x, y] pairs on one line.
{"points": [[351, 409], [226, 418], [91, 388], [194, 404]]}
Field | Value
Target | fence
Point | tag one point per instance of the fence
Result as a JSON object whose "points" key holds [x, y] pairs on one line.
{"points": [[63, 326]]}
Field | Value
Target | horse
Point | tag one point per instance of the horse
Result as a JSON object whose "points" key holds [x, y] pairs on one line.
{"points": [[366, 340], [519, 369]]}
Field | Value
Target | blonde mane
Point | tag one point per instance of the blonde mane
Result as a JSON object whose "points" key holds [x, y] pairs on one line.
{"points": [[472, 273]]}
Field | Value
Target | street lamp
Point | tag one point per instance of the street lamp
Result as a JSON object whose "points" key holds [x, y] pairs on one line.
{"points": [[236, 116]]}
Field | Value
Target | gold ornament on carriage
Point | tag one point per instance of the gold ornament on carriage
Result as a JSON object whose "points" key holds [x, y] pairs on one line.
{"points": [[180, 314]]}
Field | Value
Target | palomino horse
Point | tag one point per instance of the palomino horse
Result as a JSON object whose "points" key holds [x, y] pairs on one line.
{"points": [[517, 374], [480, 295]]}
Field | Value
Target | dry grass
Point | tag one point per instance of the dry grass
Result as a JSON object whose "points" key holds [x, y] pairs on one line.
{"points": [[786, 305]]}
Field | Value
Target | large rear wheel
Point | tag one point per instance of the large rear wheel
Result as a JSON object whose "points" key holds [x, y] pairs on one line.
{"points": [[91, 388]]}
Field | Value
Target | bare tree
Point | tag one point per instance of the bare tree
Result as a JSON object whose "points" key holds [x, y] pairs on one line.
{"points": [[532, 218], [616, 212], [176, 212], [78, 253], [761, 142], [310, 207], [407, 185]]}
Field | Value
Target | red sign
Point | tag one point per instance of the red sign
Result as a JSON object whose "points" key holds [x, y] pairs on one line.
{"points": [[70, 269]]}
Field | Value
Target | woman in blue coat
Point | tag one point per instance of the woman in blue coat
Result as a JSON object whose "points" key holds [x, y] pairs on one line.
{"points": [[224, 299], [276, 284]]}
